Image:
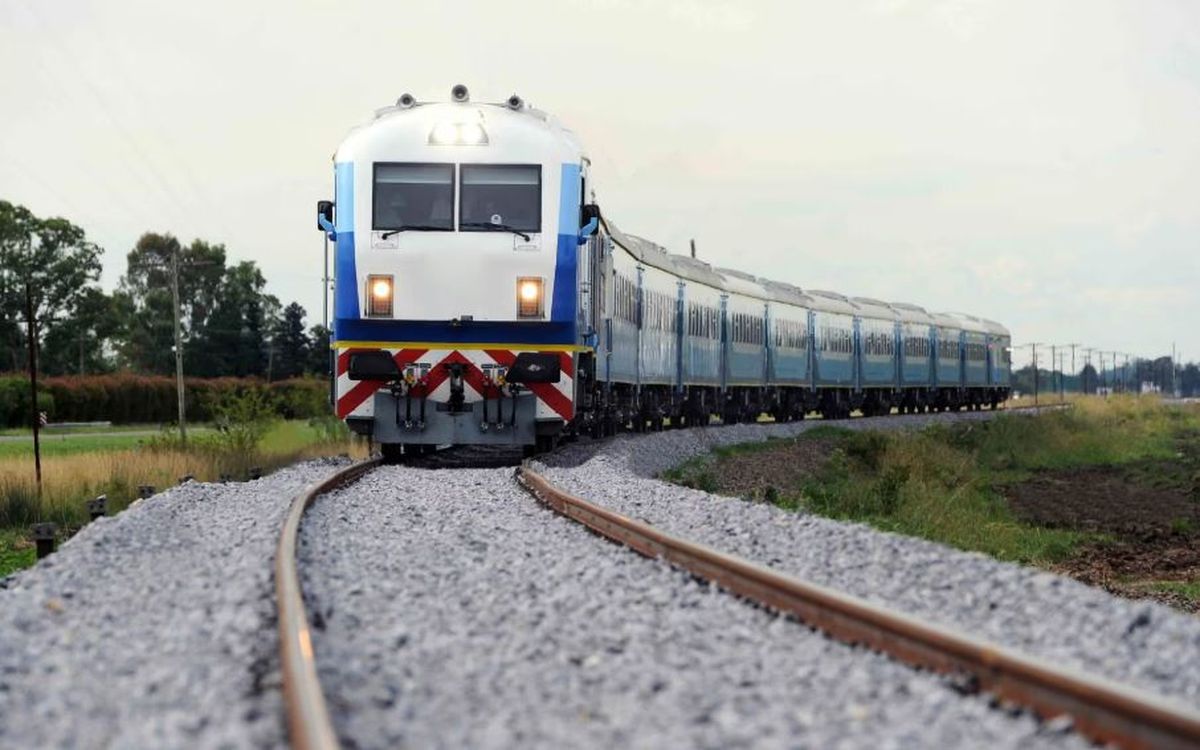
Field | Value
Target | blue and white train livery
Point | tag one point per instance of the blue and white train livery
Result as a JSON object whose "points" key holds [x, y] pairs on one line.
{"points": [[481, 298]]}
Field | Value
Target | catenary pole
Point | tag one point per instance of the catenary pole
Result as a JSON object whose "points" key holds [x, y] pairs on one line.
{"points": [[178, 348], [31, 322]]}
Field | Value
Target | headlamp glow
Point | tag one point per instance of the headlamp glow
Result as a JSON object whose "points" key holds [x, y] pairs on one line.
{"points": [[458, 134], [379, 295], [530, 297]]}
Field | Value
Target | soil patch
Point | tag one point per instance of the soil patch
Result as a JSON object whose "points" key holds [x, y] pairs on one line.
{"points": [[788, 464], [1105, 499], [1149, 509], [1149, 566]]}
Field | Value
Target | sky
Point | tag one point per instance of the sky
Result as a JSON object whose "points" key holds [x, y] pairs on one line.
{"points": [[1033, 162]]}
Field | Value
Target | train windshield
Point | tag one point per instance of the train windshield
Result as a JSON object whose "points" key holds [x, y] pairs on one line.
{"points": [[501, 197], [414, 196]]}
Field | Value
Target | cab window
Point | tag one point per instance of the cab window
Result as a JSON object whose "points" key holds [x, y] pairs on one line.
{"points": [[413, 197], [500, 198]]}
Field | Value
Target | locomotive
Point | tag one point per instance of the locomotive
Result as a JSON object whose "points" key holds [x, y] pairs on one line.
{"points": [[481, 297]]}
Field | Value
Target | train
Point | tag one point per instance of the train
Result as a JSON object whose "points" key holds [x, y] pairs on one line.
{"points": [[481, 297]]}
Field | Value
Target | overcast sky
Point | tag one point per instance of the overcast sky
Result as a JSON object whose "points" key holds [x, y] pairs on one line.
{"points": [[1036, 162]]}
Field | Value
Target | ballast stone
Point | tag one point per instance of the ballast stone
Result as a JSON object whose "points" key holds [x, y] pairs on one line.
{"points": [[155, 627], [1041, 614], [474, 617]]}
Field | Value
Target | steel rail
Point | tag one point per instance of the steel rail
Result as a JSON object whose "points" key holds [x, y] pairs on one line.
{"points": [[1102, 710], [309, 727]]}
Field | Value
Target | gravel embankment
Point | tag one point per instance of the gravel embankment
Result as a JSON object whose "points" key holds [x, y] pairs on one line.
{"points": [[452, 610], [1044, 615], [154, 628]]}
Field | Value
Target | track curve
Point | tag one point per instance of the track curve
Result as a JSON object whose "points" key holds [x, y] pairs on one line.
{"points": [[1102, 710], [308, 721]]}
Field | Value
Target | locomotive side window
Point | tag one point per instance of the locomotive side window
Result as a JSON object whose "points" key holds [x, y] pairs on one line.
{"points": [[500, 198], [413, 196]]}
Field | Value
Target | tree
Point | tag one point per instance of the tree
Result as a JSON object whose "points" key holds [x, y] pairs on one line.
{"points": [[1189, 381], [149, 335], [318, 352], [56, 260], [79, 344], [291, 343], [233, 340]]}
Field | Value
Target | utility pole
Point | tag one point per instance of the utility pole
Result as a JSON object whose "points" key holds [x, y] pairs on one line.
{"points": [[1087, 364], [31, 322], [1073, 370], [178, 347], [1053, 368]]}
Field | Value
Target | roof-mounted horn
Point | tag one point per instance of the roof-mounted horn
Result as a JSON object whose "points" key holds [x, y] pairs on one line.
{"points": [[460, 94]]}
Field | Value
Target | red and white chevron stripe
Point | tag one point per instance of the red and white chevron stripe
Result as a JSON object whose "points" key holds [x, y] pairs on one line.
{"points": [[354, 397]]}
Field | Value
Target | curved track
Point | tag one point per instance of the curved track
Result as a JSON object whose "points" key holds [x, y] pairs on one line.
{"points": [[1100, 709], [308, 718]]}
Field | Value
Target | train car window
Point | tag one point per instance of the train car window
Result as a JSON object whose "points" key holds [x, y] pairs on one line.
{"points": [[500, 198], [413, 196]]}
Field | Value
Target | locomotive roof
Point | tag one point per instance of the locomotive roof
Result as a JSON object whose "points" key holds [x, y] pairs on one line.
{"points": [[512, 133]]}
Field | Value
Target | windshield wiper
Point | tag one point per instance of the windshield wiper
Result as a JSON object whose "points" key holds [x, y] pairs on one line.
{"points": [[416, 227], [499, 227]]}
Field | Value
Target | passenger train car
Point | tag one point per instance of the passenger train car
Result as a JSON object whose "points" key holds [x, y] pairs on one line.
{"points": [[482, 298]]}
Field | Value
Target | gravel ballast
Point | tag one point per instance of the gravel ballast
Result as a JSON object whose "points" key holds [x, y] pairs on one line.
{"points": [[1046, 616], [450, 609], [154, 628]]}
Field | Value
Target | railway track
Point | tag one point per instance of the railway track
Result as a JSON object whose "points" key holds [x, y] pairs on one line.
{"points": [[1100, 709]]}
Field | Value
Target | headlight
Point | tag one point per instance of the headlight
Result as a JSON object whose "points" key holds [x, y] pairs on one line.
{"points": [[379, 296], [458, 134], [530, 297]]}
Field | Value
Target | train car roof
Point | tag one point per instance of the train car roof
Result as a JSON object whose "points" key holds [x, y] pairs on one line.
{"points": [[831, 302], [968, 322], [653, 254], [788, 294], [910, 313], [873, 308], [740, 282], [996, 329]]}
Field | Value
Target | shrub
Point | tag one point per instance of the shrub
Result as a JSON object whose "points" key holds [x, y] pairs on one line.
{"points": [[127, 398]]}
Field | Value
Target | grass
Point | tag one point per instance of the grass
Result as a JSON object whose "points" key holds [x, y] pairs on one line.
{"points": [[50, 431], [16, 551], [116, 470], [938, 483]]}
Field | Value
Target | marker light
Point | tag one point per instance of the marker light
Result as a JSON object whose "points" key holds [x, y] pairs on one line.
{"points": [[529, 297], [379, 296], [458, 134]]}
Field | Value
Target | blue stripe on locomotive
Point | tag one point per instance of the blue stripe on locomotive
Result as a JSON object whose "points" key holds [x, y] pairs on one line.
{"points": [[345, 302], [563, 298]]}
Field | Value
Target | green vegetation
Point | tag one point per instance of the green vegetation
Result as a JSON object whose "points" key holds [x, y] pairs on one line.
{"points": [[16, 551], [941, 483], [246, 433]]}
